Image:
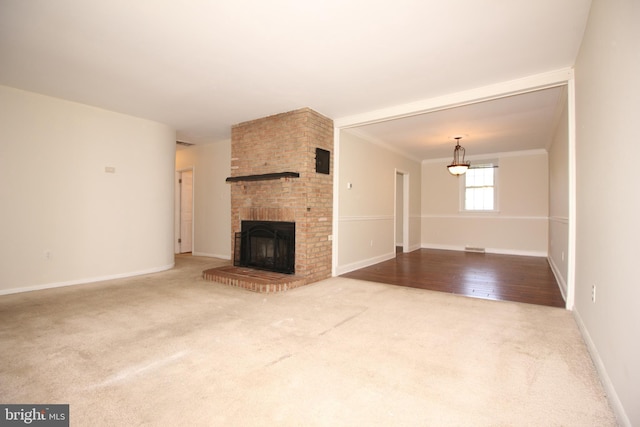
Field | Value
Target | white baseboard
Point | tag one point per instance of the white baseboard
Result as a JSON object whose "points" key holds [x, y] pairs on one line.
{"points": [[441, 247], [612, 395], [542, 254], [364, 263], [539, 254], [85, 280], [414, 247], [561, 282], [226, 257], [409, 249]]}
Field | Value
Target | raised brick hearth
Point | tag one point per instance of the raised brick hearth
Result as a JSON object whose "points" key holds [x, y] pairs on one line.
{"points": [[283, 149], [254, 280]]}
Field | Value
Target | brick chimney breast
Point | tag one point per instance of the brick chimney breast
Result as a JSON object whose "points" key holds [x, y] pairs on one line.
{"points": [[276, 144]]}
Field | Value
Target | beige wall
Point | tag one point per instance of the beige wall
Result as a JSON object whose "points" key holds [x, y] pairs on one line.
{"points": [[212, 197], [608, 206], [64, 219], [559, 200], [366, 222], [519, 227]]}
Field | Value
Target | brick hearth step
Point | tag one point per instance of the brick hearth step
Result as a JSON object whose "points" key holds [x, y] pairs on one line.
{"points": [[253, 280]]}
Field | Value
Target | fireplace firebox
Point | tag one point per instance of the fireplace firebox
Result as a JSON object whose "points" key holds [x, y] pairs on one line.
{"points": [[266, 245]]}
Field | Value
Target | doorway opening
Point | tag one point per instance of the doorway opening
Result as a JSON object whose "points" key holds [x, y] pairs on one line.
{"points": [[184, 238], [402, 212]]}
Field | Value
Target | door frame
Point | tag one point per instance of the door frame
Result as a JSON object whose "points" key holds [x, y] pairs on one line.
{"points": [[405, 209], [177, 210]]}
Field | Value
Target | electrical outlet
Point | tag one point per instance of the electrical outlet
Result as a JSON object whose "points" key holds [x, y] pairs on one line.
{"points": [[593, 293]]}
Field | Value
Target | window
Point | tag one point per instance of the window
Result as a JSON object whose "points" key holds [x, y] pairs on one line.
{"points": [[480, 187]]}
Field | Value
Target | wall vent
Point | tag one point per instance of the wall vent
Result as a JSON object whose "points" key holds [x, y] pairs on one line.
{"points": [[474, 249], [186, 144]]}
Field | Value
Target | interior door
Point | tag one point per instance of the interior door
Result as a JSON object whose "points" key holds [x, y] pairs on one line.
{"points": [[186, 211]]}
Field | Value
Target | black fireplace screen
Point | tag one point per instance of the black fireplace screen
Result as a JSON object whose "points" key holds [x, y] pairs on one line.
{"points": [[266, 245]]}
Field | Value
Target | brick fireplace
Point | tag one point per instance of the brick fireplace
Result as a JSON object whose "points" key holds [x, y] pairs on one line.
{"points": [[279, 173]]}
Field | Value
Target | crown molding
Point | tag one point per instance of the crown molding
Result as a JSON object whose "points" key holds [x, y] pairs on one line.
{"points": [[472, 96]]}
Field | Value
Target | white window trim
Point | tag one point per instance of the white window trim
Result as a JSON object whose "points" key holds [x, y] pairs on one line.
{"points": [[463, 187]]}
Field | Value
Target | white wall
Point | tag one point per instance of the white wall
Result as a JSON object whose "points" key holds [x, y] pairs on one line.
{"points": [[64, 219], [608, 205], [366, 222], [212, 197], [519, 227], [559, 201]]}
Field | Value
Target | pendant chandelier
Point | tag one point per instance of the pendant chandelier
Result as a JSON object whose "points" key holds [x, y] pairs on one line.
{"points": [[458, 166]]}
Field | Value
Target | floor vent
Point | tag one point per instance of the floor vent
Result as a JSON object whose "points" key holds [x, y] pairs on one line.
{"points": [[474, 249]]}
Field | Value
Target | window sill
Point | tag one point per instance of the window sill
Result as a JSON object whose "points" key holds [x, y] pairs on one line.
{"points": [[484, 212]]}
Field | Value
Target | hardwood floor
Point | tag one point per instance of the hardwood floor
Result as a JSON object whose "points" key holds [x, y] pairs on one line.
{"points": [[489, 276]]}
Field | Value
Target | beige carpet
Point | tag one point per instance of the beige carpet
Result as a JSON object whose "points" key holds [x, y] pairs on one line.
{"points": [[171, 349]]}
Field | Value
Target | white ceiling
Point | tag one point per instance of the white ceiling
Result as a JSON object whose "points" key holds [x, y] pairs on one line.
{"points": [[514, 123], [201, 66]]}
